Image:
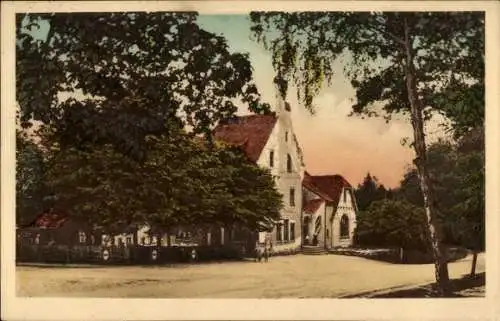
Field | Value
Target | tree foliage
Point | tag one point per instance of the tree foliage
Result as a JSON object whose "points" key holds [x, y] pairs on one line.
{"points": [[391, 223], [370, 190], [457, 170], [127, 76], [122, 99], [29, 179], [182, 182], [448, 60]]}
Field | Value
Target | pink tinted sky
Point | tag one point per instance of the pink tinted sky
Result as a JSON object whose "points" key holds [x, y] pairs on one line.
{"points": [[332, 142]]}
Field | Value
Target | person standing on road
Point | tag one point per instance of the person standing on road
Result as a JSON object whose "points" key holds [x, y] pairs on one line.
{"points": [[258, 252], [267, 247]]}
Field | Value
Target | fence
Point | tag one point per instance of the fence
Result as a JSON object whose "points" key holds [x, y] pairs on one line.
{"points": [[125, 255]]}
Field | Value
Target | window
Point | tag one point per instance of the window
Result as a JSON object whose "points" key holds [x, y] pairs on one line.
{"points": [[271, 158], [143, 240], [345, 195], [286, 136], [286, 229], [292, 231], [279, 232], [344, 226], [129, 240], [292, 196], [288, 163], [82, 238]]}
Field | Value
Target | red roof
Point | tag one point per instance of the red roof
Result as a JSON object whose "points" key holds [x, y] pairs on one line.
{"points": [[49, 220], [250, 132], [308, 182], [312, 206], [328, 187]]}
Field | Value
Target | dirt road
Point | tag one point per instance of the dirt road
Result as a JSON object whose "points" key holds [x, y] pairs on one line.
{"points": [[298, 276]]}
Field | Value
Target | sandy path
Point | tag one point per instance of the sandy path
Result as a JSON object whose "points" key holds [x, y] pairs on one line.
{"points": [[296, 276]]}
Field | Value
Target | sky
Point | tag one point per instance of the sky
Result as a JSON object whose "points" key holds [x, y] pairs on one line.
{"points": [[332, 141]]}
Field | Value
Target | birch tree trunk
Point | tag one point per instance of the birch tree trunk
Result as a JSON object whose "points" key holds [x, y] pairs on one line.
{"points": [[440, 262]]}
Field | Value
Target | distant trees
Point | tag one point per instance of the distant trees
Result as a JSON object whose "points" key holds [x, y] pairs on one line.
{"points": [[391, 223], [370, 190]]}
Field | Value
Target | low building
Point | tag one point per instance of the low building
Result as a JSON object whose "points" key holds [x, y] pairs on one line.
{"points": [[329, 213]]}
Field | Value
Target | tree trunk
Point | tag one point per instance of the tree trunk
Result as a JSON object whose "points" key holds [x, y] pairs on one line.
{"points": [[474, 263], [440, 263], [169, 237], [158, 239], [135, 241]]}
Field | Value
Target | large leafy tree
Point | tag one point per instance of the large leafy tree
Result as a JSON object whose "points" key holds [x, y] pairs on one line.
{"points": [[397, 62], [127, 76], [469, 211], [252, 199], [29, 179], [441, 160], [457, 171], [116, 94], [182, 182]]}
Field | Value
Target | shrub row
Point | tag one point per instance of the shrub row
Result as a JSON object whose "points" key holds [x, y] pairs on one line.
{"points": [[393, 255]]}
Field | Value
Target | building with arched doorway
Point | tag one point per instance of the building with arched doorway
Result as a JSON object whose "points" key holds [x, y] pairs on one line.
{"points": [[329, 211], [318, 210]]}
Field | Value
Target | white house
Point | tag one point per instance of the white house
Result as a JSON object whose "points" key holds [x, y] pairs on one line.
{"points": [[270, 142], [317, 208], [329, 213]]}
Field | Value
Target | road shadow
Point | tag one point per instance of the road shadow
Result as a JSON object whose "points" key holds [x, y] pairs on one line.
{"points": [[430, 290]]}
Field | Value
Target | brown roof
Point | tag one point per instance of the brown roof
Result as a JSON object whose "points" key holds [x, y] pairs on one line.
{"points": [[312, 206], [308, 182], [250, 132], [49, 221], [328, 187]]}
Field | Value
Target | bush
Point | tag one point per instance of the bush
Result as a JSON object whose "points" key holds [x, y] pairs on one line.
{"points": [[389, 223]]}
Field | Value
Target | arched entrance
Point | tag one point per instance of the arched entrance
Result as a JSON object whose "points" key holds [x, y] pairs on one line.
{"points": [[305, 230]]}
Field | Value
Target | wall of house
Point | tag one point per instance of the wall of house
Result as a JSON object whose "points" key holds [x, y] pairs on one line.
{"points": [[70, 233], [319, 215], [345, 207], [282, 143]]}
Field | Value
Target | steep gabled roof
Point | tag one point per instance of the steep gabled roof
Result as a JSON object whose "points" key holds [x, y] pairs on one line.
{"points": [[250, 132], [312, 206], [308, 182], [328, 187]]}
